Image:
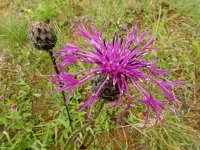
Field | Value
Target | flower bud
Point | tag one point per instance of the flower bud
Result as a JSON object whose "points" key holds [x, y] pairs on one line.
{"points": [[42, 36]]}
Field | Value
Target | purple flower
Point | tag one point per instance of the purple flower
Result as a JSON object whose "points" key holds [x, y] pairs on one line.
{"points": [[13, 107], [123, 61]]}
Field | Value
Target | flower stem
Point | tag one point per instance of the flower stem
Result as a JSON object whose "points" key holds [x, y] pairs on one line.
{"points": [[63, 94], [85, 126]]}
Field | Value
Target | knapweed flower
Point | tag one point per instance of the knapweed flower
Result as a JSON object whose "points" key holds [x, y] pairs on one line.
{"points": [[122, 62], [13, 107]]}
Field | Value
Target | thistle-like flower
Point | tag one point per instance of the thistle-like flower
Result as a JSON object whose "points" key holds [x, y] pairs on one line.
{"points": [[13, 107], [123, 63]]}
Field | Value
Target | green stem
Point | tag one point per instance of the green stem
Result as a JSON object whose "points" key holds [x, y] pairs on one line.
{"points": [[84, 127], [63, 94]]}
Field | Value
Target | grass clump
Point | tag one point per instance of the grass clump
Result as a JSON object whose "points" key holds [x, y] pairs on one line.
{"points": [[13, 30], [174, 135]]}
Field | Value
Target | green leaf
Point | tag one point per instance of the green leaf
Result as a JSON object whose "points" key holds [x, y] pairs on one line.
{"points": [[37, 94]]}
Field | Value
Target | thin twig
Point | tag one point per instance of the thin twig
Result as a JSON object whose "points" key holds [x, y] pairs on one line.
{"points": [[85, 126], [63, 94]]}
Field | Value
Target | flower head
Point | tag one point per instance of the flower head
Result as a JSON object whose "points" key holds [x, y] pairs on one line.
{"points": [[13, 107], [42, 36], [121, 60]]}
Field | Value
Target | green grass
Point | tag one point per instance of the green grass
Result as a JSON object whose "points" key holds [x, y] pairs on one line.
{"points": [[13, 30], [40, 121]]}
